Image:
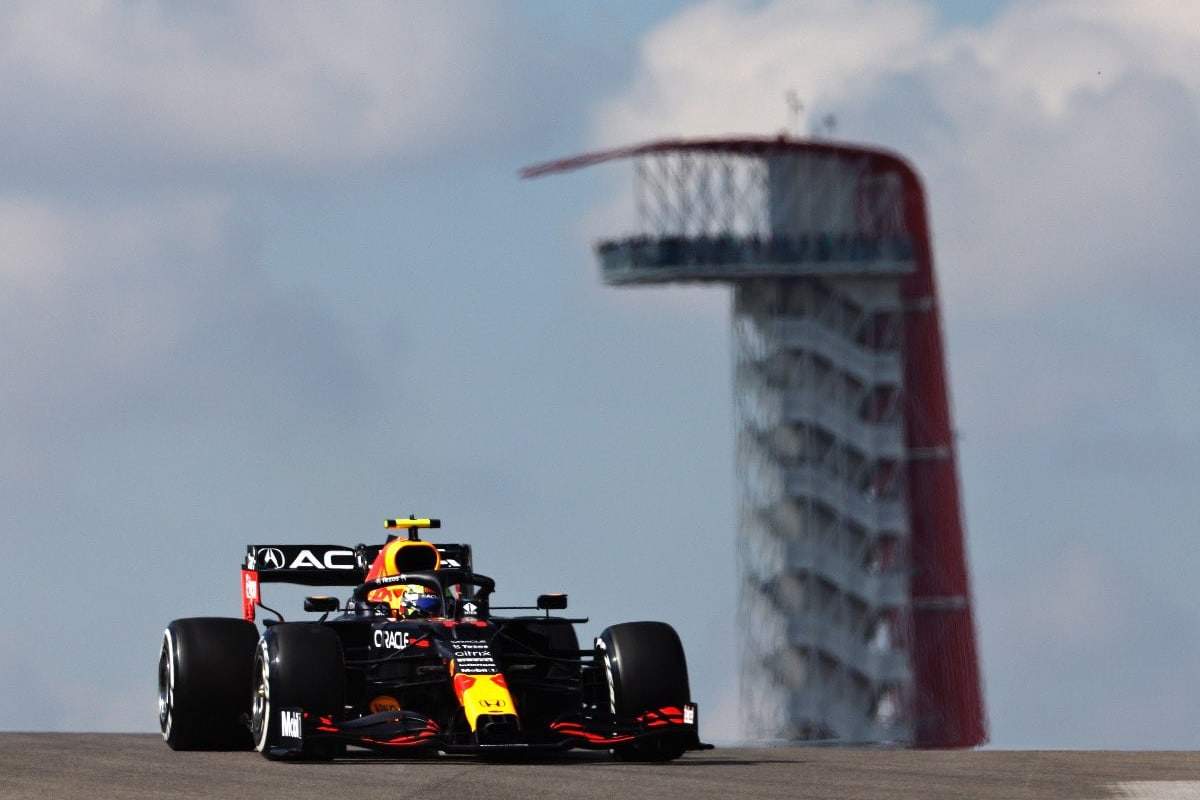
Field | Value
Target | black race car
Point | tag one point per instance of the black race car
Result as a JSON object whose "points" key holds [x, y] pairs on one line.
{"points": [[415, 660]]}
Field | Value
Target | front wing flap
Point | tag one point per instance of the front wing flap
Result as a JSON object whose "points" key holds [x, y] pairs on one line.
{"points": [[406, 730], [597, 729], [387, 730]]}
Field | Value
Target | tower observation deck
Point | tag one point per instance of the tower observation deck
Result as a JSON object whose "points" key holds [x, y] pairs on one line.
{"points": [[854, 607]]}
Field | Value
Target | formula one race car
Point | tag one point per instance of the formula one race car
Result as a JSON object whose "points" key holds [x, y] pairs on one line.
{"points": [[415, 661]]}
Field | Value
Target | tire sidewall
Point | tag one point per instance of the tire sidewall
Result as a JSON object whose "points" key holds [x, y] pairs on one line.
{"points": [[645, 669], [166, 689], [264, 733], [296, 665], [203, 674]]}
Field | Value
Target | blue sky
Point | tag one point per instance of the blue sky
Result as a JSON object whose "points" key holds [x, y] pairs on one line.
{"points": [[272, 277]]}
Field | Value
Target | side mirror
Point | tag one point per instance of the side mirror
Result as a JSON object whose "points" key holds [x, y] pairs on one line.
{"points": [[323, 604], [552, 602]]}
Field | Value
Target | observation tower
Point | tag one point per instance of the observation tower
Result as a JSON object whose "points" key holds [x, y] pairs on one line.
{"points": [[855, 618]]}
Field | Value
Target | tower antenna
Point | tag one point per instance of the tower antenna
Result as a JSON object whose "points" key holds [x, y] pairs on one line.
{"points": [[794, 108]]}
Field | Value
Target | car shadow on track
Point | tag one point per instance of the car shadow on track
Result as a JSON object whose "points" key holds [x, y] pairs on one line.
{"points": [[571, 758]]}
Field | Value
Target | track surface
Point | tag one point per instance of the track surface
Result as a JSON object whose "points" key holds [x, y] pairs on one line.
{"points": [[109, 766]]}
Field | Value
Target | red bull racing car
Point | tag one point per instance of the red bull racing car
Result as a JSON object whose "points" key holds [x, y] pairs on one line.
{"points": [[415, 661]]}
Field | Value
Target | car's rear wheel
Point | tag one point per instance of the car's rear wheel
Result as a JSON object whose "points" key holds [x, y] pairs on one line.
{"points": [[297, 665], [203, 674], [646, 670]]}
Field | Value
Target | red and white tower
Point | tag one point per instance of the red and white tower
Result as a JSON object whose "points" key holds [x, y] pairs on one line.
{"points": [[855, 609]]}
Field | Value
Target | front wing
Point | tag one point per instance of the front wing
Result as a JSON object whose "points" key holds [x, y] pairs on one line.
{"points": [[401, 731]]}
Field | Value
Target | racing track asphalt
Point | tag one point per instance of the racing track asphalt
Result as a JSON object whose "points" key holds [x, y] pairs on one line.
{"points": [[124, 766]]}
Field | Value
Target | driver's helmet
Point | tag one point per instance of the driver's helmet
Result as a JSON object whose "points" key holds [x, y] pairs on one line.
{"points": [[397, 557], [418, 601]]}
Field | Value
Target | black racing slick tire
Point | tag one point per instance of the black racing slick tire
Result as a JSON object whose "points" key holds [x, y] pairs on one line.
{"points": [[296, 665], [203, 677], [646, 670]]}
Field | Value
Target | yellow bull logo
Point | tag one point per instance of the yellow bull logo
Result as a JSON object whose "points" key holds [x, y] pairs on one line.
{"points": [[481, 695]]}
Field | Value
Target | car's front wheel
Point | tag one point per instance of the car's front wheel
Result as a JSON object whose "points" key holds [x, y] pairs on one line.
{"points": [[203, 674], [646, 670], [296, 666]]}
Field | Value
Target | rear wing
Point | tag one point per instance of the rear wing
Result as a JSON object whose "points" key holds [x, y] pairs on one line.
{"points": [[326, 564]]}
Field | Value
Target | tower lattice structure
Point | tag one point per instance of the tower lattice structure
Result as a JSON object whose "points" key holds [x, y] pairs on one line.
{"points": [[854, 605]]}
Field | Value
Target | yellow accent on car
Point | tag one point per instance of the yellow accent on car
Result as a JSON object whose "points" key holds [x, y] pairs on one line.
{"points": [[384, 703], [485, 695], [412, 523]]}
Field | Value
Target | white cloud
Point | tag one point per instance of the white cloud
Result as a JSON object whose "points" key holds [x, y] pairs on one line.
{"points": [[727, 67], [1056, 50], [131, 130], [1069, 168], [305, 83]]}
